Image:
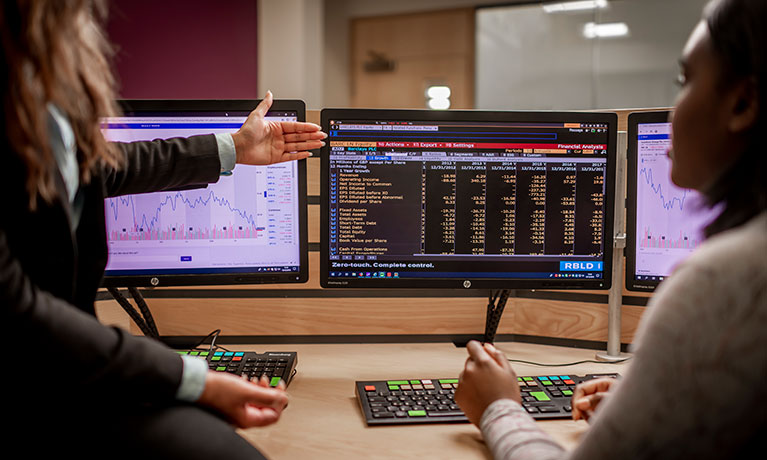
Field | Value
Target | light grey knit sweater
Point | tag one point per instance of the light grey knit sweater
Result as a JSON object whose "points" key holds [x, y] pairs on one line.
{"points": [[697, 387]]}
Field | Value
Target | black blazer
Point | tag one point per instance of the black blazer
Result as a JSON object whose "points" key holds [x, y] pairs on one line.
{"points": [[49, 276]]}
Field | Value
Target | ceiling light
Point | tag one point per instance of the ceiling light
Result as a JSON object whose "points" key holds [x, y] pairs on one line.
{"points": [[438, 97], [610, 30], [579, 5], [438, 92]]}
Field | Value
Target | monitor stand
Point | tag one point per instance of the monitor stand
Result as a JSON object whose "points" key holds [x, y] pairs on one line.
{"points": [[496, 302], [144, 320], [143, 317]]}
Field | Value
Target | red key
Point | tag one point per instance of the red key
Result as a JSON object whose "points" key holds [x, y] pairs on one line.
{"points": [[370, 388]]}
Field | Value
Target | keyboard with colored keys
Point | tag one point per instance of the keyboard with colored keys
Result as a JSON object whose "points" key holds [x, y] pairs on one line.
{"points": [[274, 365], [389, 402]]}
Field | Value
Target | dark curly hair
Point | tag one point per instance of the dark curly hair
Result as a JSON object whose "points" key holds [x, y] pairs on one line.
{"points": [[738, 30]]}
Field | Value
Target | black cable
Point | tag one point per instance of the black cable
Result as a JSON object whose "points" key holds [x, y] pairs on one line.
{"points": [[568, 364], [496, 302], [144, 308], [135, 316], [213, 334]]}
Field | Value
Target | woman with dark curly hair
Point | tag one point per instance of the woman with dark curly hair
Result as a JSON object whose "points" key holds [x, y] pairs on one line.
{"points": [[694, 388]]}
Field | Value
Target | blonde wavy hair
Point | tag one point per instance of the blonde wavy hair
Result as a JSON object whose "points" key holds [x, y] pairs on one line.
{"points": [[55, 51]]}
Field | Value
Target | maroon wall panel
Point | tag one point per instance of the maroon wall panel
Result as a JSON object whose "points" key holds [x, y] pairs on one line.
{"points": [[185, 49]]}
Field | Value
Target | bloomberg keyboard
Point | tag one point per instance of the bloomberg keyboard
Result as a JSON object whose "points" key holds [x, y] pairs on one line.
{"points": [[274, 365], [410, 401]]}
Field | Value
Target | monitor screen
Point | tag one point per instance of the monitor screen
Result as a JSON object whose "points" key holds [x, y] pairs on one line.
{"points": [[467, 199], [249, 227], [664, 223]]}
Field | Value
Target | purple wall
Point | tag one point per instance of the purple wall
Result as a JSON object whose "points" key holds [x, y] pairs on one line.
{"points": [[185, 49]]}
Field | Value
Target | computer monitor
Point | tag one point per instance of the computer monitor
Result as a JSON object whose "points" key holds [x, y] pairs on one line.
{"points": [[664, 223], [247, 228], [467, 199]]}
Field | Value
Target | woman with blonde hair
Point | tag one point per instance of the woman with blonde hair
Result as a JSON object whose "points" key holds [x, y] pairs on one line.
{"points": [[80, 386]]}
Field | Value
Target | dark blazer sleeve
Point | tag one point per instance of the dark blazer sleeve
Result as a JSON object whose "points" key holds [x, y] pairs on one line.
{"points": [[80, 353], [171, 164], [83, 356]]}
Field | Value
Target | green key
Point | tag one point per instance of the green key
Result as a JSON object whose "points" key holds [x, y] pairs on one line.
{"points": [[567, 392], [194, 353], [416, 413], [182, 352], [397, 382], [204, 353], [527, 379], [275, 381], [415, 382], [540, 396], [215, 358], [547, 382], [448, 381], [394, 387], [221, 368]]}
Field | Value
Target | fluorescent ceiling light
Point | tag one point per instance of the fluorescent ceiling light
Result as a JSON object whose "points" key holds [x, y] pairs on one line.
{"points": [[574, 6], [438, 97], [610, 30], [438, 92]]}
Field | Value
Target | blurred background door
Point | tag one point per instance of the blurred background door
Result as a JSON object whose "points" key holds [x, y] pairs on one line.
{"points": [[396, 59]]}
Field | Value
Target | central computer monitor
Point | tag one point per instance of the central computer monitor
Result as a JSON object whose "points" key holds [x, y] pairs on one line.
{"points": [[664, 223], [467, 199], [247, 228]]}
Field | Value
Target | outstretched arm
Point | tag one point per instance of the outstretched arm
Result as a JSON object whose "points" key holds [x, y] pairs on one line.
{"points": [[262, 142]]}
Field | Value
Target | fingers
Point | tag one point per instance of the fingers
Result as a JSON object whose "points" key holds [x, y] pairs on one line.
{"points": [[258, 416], [584, 407], [588, 395], [262, 395], [477, 352], [300, 146], [592, 386], [497, 355], [298, 127], [264, 106], [595, 385], [305, 136]]}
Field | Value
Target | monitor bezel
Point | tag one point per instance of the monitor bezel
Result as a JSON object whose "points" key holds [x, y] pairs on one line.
{"points": [[131, 106], [632, 156], [610, 118]]}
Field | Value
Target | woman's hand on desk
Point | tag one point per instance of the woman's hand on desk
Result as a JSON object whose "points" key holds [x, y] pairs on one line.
{"points": [[246, 404], [588, 395], [262, 142], [487, 377]]}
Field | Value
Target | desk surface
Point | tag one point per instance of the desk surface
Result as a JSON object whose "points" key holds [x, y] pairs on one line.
{"points": [[324, 420]]}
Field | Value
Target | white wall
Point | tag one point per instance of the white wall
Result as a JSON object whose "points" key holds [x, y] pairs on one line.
{"points": [[528, 59], [524, 60], [290, 50]]}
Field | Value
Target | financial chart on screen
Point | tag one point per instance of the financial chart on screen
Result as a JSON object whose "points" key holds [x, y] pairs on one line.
{"points": [[669, 219], [246, 222]]}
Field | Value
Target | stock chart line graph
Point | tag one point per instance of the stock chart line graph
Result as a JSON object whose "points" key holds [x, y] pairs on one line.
{"points": [[670, 219], [658, 189], [161, 220]]}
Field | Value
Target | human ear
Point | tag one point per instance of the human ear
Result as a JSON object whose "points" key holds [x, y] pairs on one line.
{"points": [[746, 108]]}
